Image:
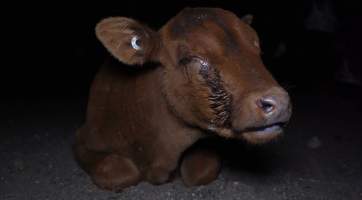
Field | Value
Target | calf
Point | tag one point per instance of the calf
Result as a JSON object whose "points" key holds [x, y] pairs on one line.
{"points": [[201, 74]]}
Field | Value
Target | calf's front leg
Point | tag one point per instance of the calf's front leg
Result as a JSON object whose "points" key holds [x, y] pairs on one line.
{"points": [[115, 173], [200, 166]]}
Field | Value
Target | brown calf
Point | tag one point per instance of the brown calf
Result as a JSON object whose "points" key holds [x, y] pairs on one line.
{"points": [[207, 78]]}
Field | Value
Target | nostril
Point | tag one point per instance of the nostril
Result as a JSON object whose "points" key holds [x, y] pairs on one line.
{"points": [[267, 105]]}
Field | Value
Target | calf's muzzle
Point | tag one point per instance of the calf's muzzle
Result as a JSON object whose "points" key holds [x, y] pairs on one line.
{"points": [[262, 110]]}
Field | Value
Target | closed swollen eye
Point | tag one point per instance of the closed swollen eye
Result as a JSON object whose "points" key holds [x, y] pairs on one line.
{"points": [[194, 60], [185, 61]]}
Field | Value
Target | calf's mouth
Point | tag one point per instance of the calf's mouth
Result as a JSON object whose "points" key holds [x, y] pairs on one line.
{"points": [[261, 134], [266, 129]]}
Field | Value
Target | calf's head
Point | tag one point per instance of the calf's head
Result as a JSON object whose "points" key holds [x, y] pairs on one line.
{"points": [[213, 76]]}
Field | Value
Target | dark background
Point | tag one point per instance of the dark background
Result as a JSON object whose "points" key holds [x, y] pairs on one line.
{"points": [[51, 47], [313, 48]]}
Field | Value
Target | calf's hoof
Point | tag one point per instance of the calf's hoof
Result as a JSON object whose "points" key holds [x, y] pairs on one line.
{"points": [[115, 173], [200, 167]]}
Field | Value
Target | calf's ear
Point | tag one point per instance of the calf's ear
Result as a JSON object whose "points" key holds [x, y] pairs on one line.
{"points": [[128, 40]]}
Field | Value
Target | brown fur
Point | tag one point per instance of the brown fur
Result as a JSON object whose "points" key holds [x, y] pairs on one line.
{"points": [[206, 77]]}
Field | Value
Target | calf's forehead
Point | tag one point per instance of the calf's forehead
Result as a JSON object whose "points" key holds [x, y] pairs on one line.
{"points": [[191, 19], [207, 29]]}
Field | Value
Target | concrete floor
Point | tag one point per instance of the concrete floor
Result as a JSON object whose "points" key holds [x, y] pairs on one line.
{"points": [[319, 157]]}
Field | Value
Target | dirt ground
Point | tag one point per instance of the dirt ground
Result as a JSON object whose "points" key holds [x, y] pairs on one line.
{"points": [[319, 157]]}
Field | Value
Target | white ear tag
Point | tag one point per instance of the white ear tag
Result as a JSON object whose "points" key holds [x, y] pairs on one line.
{"points": [[134, 44]]}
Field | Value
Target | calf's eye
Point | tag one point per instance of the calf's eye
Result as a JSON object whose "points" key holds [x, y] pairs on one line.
{"points": [[194, 61], [184, 61], [204, 65]]}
